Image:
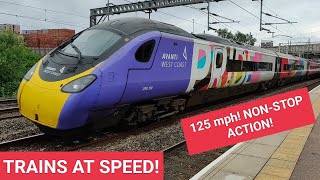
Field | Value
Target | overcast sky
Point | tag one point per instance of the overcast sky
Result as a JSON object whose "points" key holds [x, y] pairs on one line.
{"points": [[306, 13]]}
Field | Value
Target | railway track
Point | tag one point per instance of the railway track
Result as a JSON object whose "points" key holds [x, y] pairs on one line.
{"points": [[9, 113], [77, 143], [180, 165], [9, 109], [105, 137], [111, 137], [8, 101], [24, 140]]}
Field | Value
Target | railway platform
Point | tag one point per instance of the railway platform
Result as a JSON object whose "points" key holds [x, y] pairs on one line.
{"points": [[293, 154]]}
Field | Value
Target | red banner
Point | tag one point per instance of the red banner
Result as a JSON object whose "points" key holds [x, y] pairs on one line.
{"points": [[248, 121], [81, 165]]}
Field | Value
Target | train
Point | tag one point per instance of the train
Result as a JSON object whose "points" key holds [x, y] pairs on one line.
{"points": [[129, 71]]}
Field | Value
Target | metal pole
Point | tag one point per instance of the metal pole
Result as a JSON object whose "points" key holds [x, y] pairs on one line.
{"points": [[261, 15], [136, 12], [108, 10], [308, 48], [279, 48], [150, 11], [208, 16], [192, 25]]}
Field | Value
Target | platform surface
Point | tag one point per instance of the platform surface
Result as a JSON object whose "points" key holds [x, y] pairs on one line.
{"points": [[293, 154]]}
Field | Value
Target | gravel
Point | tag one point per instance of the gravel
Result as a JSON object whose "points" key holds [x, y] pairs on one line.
{"points": [[11, 129], [152, 140], [8, 115], [4, 106]]}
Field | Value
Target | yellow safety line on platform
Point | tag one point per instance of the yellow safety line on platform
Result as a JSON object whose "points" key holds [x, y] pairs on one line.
{"points": [[284, 159]]}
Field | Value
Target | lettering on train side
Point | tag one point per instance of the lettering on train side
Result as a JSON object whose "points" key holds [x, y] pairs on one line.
{"points": [[51, 70], [167, 56], [185, 54], [170, 64], [171, 61]]}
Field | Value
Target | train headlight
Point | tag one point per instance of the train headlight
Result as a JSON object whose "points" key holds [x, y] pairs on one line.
{"points": [[30, 73], [79, 85]]}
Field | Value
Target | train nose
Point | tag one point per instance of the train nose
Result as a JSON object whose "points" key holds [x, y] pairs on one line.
{"points": [[63, 104], [41, 105]]}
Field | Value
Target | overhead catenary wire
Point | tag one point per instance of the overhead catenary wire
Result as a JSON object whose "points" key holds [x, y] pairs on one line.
{"points": [[279, 16], [259, 18], [44, 20], [44, 9], [187, 20], [299, 31], [182, 18], [192, 7]]}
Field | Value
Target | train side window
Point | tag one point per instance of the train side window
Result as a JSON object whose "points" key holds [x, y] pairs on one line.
{"points": [[262, 66], [298, 67], [234, 65], [289, 67], [144, 52], [248, 66], [219, 60], [286, 67]]}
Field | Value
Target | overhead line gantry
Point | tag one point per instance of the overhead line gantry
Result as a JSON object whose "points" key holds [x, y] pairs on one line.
{"points": [[98, 14]]}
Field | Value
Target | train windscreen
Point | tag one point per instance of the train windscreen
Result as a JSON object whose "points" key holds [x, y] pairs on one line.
{"points": [[92, 43]]}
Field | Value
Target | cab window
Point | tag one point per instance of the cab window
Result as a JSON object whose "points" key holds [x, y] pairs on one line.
{"points": [[144, 52], [93, 42], [219, 60]]}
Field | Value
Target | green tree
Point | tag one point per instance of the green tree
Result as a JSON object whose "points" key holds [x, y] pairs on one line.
{"points": [[250, 39], [15, 61], [238, 37], [225, 34]]}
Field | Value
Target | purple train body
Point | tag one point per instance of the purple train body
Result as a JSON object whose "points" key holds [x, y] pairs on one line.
{"points": [[144, 70]]}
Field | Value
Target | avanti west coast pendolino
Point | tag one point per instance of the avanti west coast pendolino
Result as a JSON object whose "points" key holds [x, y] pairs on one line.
{"points": [[133, 70]]}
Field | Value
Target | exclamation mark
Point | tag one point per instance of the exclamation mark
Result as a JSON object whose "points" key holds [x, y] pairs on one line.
{"points": [[157, 166], [238, 114], [270, 119]]}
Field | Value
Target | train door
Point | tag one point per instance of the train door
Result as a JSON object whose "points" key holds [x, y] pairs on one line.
{"points": [[219, 66], [277, 69], [138, 81], [307, 69], [169, 74]]}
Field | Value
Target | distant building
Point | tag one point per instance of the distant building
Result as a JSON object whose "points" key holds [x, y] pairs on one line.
{"points": [[10, 27], [43, 41], [267, 44], [306, 50]]}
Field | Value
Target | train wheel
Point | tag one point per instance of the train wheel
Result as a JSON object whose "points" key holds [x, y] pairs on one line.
{"points": [[264, 86]]}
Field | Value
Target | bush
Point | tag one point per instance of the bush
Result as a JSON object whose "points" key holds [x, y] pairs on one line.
{"points": [[15, 61]]}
